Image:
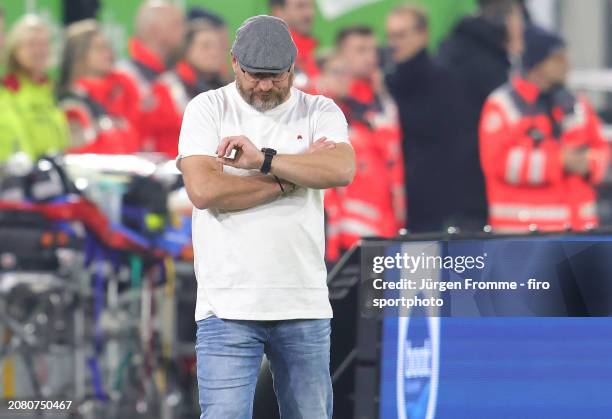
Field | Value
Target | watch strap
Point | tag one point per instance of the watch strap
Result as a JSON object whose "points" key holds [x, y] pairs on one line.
{"points": [[267, 163]]}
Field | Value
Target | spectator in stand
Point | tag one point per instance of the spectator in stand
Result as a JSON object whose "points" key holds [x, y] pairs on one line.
{"points": [[357, 46], [542, 147], [299, 16], [12, 135], [199, 70], [217, 22], [95, 98], [159, 34], [430, 102], [36, 124], [479, 53], [334, 81], [373, 205], [481, 49]]}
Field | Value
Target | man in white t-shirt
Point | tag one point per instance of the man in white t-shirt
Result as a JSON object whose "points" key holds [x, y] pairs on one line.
{"points": [[256, 156]]}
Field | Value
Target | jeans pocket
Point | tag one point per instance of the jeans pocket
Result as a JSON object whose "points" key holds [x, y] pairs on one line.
{"points": [[205, 325]]}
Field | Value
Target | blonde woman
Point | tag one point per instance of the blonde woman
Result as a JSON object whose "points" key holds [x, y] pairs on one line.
{"points": [[97, 100], [28, 92]]}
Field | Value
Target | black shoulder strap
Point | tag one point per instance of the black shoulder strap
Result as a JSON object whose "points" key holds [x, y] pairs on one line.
{"points": [[94, 107], [147, 73]]}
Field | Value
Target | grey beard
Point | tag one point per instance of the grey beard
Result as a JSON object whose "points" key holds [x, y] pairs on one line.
{"points": [[265, 105], [261, 105]]}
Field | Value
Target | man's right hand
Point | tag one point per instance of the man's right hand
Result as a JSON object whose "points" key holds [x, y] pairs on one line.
{"points": [[575, 160], [248, 156]]}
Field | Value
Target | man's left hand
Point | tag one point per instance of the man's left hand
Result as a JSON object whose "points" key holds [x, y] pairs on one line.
{"points": [[247, 155], [321, 144]]}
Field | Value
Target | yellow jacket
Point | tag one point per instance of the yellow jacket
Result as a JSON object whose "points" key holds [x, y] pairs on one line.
{"points": [[35, 124], [13, 137]]}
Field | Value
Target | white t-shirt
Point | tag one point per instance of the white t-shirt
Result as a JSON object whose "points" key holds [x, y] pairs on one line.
{"points": [[266, 262]]}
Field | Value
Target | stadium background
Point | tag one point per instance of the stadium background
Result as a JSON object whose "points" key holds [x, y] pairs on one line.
{"points": [[559, 347], [118, 15]]}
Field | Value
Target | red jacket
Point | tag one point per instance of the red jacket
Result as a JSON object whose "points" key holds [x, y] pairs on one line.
{"points": [[380, 114], [141, 70], [171, 99], [373, 204], [306, 67], [172, 91], [366, 205], [521, 146], [362, 91], [100, 108]]}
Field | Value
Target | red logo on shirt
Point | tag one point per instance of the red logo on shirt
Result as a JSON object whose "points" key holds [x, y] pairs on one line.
{"points": [[299, 137]]}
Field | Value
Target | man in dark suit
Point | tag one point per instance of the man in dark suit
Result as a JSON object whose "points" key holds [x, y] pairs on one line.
{"points": [[436, 134]]}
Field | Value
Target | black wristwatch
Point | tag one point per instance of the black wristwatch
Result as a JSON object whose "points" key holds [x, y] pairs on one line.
{"points": [[267, 163]]}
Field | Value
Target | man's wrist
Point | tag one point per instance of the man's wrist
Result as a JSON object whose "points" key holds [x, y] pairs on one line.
{"points": [[260, 160], [271, 171], [268, 155]]}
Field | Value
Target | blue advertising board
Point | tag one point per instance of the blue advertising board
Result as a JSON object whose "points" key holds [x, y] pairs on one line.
{"points": [[503, 367], [487, 368]]}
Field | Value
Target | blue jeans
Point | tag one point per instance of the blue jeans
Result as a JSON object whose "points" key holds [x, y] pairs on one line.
{"points": [[229, 355]]}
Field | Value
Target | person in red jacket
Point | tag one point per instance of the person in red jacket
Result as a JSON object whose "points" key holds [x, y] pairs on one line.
{"points": [[96, 100], [368, 207], [199, 70], [218, 23], [542, 147], [357, 46], [159, 34], [334, 82], [299, 16], [371, 111]]}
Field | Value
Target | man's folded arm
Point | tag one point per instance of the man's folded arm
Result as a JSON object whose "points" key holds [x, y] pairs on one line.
{"points": [[209, 187], [321, 169]]}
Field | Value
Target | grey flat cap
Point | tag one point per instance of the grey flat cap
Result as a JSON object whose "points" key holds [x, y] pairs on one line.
{"points": [[264, 45]]}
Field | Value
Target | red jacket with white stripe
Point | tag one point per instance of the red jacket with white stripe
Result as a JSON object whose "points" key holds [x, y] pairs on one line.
{"points": [[373, 204], [522, 135], [99, 107], [366, 204]]}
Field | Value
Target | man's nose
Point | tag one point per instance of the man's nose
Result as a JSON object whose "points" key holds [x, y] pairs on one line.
{"points": [[265, 84]]}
